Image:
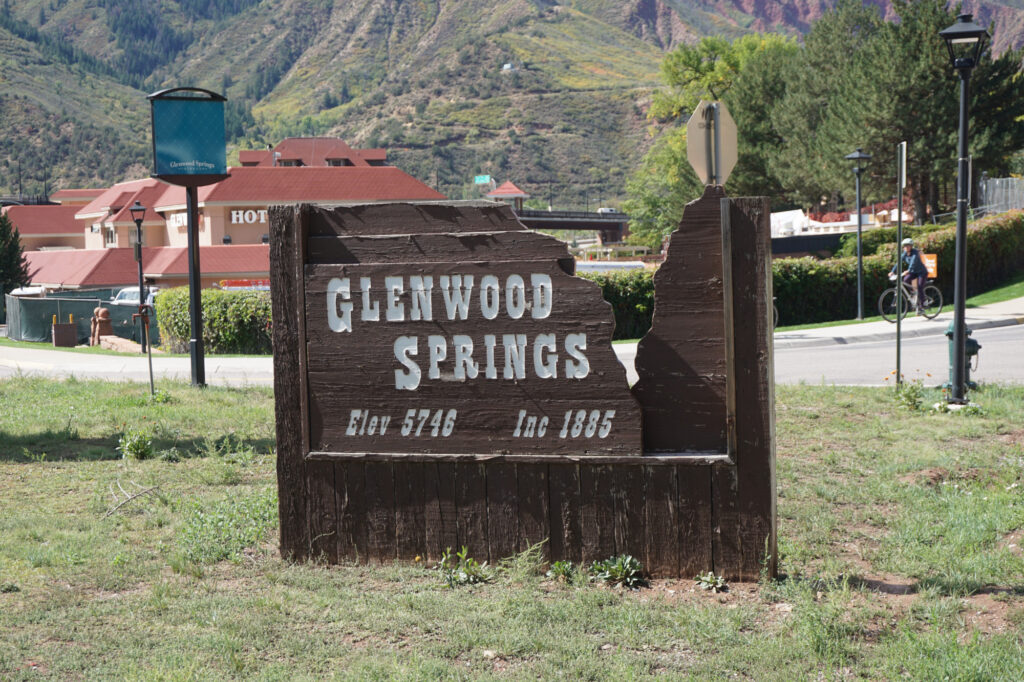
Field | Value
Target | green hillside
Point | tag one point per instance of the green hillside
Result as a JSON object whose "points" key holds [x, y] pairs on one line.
{"points": [[551, 95]]}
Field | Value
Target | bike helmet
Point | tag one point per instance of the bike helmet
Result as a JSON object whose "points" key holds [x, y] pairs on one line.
{"points": [[907, 242]]}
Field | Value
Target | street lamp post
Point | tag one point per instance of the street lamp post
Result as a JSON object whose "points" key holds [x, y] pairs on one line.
{"points": [[965, 41], [860, 159], [138, 212]]}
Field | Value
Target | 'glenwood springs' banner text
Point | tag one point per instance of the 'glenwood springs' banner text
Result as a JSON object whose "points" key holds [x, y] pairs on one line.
{"points": [[493, 353]]}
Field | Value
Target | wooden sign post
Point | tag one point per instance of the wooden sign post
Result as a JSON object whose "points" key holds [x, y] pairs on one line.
{"points": [[442, 379]]}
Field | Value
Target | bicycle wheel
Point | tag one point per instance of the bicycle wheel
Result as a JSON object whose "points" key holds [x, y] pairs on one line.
{"points": [[887, 305], [932, 301]]}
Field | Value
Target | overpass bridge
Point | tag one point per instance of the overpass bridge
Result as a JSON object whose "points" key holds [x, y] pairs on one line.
{"points": [[612, 226]]}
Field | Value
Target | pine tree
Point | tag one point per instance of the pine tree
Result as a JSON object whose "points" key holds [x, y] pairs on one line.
{"points": [[13, 267]]}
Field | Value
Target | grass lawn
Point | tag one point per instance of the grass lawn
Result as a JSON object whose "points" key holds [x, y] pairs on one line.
{"points": [[900, 536]]}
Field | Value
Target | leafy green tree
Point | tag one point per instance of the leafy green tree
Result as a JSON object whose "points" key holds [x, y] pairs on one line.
{"points": [[863, 82], [13, 268], [748, 75]]}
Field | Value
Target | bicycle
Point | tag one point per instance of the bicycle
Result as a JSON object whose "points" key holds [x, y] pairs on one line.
{"points": [[931, 308]]}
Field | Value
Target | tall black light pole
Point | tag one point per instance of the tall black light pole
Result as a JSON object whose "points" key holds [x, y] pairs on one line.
{"points": [[860, 159], [138, 212], [965, 41]]}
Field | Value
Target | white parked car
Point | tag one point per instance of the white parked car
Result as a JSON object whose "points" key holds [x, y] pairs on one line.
{"points": [[130, 296]]}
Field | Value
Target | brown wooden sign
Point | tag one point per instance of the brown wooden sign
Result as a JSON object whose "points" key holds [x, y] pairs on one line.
{"points": [[443, 380]]}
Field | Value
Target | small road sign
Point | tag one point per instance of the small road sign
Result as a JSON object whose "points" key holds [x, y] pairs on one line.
{"points": [[711, 142]]}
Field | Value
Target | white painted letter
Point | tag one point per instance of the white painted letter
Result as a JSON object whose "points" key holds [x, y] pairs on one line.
{"points": [[371, 309], [335, 288], [456, 298], [393, 289], [421, 288], [438, 346], [545, 368], [515, 296], [404, 347], [464, 365], [236, 217], [490, 295], [541, 295], [515, 355], [490, 341], [574, 343]]}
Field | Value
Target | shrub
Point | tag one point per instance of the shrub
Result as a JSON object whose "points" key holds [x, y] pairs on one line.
{"points": [[631, 295], [233, 321]]}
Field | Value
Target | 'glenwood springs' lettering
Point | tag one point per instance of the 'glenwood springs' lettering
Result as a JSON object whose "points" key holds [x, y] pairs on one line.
{"points": [[461, 356]]}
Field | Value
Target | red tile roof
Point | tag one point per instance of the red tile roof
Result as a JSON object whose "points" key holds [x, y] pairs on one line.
{"points": [[507, 190], [109, 267], [115, 200], [315, 184], [44, 220], [75, 195]]}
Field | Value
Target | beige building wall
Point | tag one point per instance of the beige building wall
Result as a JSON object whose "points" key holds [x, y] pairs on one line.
{"points": [[245, 225]]}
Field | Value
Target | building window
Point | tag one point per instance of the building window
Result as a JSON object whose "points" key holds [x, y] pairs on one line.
{"points": [[339, 162], [110, 236]]}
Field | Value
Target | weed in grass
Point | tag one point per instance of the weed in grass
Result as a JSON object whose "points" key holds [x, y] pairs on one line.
{"points": [[224, 529], [564, 572], [461, 569], [34, 457], [712, 582], [520, 568], [171, 455], [8, 588], [135, 443], [910, 394], [619, 571], [160, 397]]}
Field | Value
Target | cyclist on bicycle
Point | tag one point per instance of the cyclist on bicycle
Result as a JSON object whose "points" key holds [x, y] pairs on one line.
{"points": [[915, 270]]}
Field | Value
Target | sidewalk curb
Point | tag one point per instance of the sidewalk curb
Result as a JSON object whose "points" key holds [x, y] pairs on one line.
{"points": [[889, 336]]}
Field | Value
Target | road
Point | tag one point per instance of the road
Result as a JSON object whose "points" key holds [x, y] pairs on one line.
{"points": [[868, 363], [863, 362]]}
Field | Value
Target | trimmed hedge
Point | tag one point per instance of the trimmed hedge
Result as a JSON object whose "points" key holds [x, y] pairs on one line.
{"points": [[809, 290], [631, 295], [233, 321]]}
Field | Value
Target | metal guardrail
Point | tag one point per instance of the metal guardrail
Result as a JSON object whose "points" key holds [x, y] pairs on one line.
{"points": [[616, 217]]}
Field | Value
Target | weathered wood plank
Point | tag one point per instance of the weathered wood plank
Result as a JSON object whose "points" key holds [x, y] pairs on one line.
{"points": [[566, 510], [661, 525], [695, 529], [380, 512], [744, 496], [434, 248], [323, 513], [449, 531], [350, 478], [471, 508], [286, 251], [407, 218], [681, 361], [433, 520], [502, 510], [598, 511], [534, 520], [410, 511], [628, 493]]}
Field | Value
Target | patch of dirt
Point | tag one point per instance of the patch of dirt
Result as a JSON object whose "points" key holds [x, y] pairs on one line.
{"points": [[990, 613], [936, 476], [1013, 438]]}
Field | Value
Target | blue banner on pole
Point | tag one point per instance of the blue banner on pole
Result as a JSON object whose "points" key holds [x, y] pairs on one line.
{"points": [[189, 136]]}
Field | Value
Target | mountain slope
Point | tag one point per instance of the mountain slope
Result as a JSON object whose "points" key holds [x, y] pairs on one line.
{"points": [[549, 94]]}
